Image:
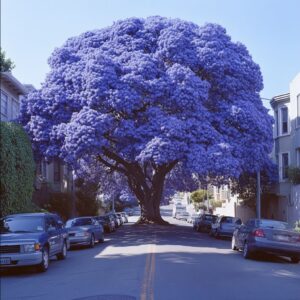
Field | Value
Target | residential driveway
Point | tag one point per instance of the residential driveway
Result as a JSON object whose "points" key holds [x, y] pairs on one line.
{"points": [[157, 262]]}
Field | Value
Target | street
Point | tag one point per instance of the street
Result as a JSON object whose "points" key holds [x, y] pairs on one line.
{"points": [[157, 262]]}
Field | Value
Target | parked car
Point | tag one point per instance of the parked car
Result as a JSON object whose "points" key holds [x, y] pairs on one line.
{"points": [[224, 226], [115, 219], [31, 239], [204, 222], [125, 216], [119, 218], [191, 218], [122, 217], [182, 215], [107, 223], [84, 231], [268, 236]]}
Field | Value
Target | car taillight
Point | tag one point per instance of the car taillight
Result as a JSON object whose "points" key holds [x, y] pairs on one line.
{"points": [[258, 233]]}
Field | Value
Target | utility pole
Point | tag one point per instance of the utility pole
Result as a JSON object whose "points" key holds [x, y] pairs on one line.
{"points": [[258, 196]]}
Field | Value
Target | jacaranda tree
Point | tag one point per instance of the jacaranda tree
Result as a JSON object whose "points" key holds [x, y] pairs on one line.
{"points": [[147, 96]]}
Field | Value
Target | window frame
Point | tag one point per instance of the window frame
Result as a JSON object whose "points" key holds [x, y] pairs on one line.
{"points": [[298, 111], [7, 99], [281, 165], [279, 123]]}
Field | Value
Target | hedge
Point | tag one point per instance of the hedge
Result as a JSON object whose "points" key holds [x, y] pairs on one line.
{"points": [[17, 170]]}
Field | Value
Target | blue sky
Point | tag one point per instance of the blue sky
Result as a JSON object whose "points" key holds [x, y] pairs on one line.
{"points": [[31, 29]]}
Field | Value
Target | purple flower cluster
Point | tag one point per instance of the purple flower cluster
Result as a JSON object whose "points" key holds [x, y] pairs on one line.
{"points": [[153, 90]]}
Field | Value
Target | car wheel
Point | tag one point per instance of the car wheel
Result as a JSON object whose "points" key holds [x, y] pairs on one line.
{"points": [[295, 260], [63, 254], [233, 246], [101, 240], [92, 241], [43, 266], [216, 235], [246, 251], [211, 233]]}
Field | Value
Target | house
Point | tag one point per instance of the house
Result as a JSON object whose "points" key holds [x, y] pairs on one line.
{"points": [[54, 176], [286, 151], [11, 92]]}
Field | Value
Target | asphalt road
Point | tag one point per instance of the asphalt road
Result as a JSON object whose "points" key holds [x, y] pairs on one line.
{"points": [[157, 262]]}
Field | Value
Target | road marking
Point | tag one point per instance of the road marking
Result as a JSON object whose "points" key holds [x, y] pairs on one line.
{"points": [[147, 292]]}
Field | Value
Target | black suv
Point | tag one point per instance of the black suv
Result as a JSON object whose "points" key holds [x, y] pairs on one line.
{"points": [[31, 239]]}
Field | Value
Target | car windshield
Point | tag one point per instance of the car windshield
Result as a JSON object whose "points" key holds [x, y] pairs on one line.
{"points": [[22, 224], [227, 220], [209, 218], [274, 224], [78, 222]]}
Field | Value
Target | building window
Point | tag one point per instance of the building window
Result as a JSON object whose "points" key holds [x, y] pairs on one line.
{"points": [[298, 157], [284, 165], [4, 104], [277, 123], [298, 110], [284, 120], [56, 171], [14, 108]]}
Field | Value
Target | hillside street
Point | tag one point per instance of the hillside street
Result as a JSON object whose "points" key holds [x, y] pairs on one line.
{"points": [[161, 263]]}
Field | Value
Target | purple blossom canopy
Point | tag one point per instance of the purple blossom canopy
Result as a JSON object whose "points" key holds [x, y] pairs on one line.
{"points": [[154, 90]]}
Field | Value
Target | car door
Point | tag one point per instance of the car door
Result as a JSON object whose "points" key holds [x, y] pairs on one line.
{"points": [[244, 231], [53, 235]]}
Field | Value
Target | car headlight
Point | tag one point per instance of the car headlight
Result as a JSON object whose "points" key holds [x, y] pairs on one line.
{"points": [[84, 233], [31, 247]]}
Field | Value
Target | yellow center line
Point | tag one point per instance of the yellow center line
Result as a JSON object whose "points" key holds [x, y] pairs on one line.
{"points": [[147, 292]]}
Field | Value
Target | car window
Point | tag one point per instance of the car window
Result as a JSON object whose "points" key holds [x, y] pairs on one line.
{"points": [[79, 222], [273, 224], [22, 224], [238, 222], [227, 220], [51, 223]]}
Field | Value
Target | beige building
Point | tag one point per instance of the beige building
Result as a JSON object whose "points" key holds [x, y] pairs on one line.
{"points": [[287, 151]]}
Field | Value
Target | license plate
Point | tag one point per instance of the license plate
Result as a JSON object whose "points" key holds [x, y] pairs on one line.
{"points": [[282, 238], [4, 261]]}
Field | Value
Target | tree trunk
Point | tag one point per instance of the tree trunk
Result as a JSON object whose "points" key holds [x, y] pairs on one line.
{"points": [[145, 180], [150, 203]]}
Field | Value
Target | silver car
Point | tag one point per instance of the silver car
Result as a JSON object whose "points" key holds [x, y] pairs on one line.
{"points": [[84, 231], [224, 226], [268, 236]]}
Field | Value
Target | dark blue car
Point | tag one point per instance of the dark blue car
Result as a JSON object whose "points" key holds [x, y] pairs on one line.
{"points": [[31, 239]]}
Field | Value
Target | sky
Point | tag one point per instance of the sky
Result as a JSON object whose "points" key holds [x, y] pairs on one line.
{"points": [[270, 29]]}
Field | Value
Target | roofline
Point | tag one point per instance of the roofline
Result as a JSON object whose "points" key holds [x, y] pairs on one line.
{"points": [[280, 98], [14, 82]]}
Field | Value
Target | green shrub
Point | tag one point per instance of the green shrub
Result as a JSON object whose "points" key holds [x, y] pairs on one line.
{"points": [[17, 170]]}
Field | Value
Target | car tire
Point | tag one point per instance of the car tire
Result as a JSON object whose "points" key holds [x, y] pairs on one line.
{"points": [[233, 246], [295, 260], [92, 241], [43, 266], [246, 251], [211, 233], [217, 235], [63, 254], [101, 240]]}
